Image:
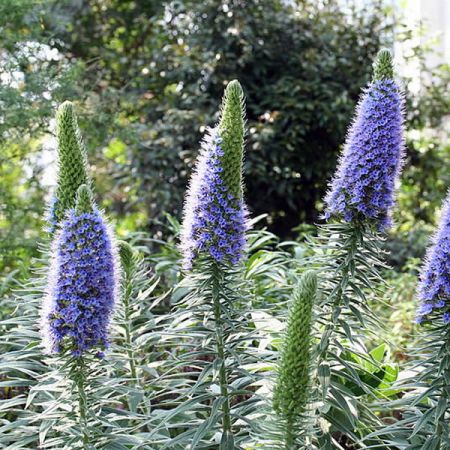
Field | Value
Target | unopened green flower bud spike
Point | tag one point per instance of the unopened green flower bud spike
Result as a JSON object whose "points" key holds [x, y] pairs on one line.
{"points": [[72, 165], [383, 67], [231, 129], [292, 391]]}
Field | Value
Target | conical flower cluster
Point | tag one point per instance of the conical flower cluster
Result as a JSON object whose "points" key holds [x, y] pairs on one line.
{"points": [[364, 185], [72, 165], [293, 385], [214, 221], [83, 282], [434, 286]]}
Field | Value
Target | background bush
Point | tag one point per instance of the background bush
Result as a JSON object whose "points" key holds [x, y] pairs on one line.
{"points": [[146, 77]]}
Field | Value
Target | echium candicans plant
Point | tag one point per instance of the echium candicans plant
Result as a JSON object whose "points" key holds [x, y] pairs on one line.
{"points": [[72, 165], [81, 294], [211, 316], [292, 395], [358, 211], [429, 389], [72, 173]]}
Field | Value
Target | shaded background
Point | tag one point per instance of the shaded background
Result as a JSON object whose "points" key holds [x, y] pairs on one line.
{"points": [[147, 77]]}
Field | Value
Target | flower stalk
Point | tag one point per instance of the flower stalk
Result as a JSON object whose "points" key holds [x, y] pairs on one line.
{"points": [[217, 281], [81, 294], [358, 207], [127, 258], [213, 236], [292, 392], [361, 193], [433, 315]]}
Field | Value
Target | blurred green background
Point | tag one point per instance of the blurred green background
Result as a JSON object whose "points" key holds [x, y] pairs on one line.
{"points": [[147, 77]]}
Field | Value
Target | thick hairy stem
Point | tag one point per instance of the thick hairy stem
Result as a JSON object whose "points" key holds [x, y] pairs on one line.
{"points": [[350, 262], [129, 344], [335, 300], [220, 345], [289, 438], [127, 323], [436, 375], [443, 428], [80, 380]]}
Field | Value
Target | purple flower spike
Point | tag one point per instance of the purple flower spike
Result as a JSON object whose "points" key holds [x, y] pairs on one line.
{"points": [[434, 286], [215, 220], [215, 216], [83, 285], [363, 187]]}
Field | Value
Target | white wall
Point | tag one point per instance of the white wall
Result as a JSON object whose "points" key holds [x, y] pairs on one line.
{"points": [[434, 16]]}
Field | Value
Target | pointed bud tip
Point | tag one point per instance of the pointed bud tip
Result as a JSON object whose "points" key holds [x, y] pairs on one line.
{"points": [[234, 88], [232, 103], [126, 254], [309, 280], [84, 202], [66, 107], [383, 65], [309, 275], [65, 114]]}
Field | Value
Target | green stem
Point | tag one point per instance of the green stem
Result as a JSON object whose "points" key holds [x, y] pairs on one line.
{"points": [[336, 299], [443, 427], [337, 296], [289, 440], [129, 343], [219, 330], [80, 380]]}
